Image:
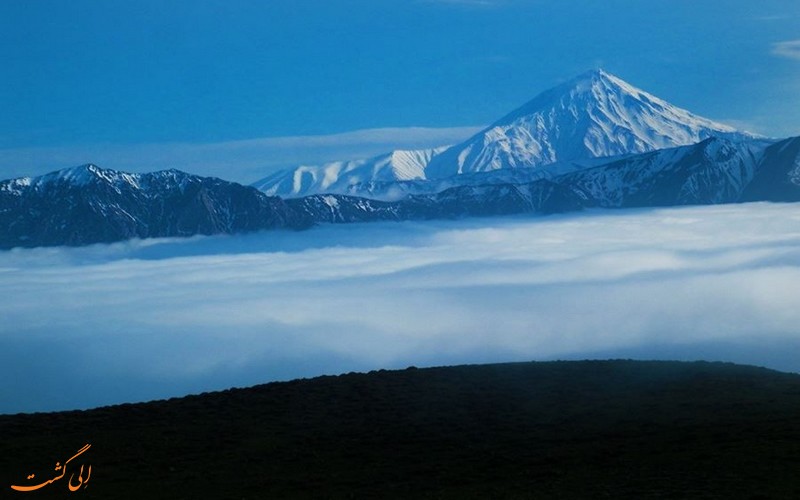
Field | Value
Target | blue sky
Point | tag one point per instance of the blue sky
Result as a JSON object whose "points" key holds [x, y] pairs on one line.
{"points": [[125, 84]]}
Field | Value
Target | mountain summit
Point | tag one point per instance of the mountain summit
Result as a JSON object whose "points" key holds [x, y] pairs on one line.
{"points": [[593, 115]]}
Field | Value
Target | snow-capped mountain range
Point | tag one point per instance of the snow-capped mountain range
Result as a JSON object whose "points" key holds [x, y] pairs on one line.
{"points": [[711, 172], [595, 115], [88, 204]]}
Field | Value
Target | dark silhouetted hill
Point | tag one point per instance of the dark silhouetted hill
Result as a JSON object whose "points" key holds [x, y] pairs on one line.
{"points": [[592, 429]]}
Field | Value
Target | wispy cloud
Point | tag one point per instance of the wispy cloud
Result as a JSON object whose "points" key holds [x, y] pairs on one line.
{"points": [[789, 49], [242, 161], [467, 3], [773, 17], [751, 126], [715, 282]]}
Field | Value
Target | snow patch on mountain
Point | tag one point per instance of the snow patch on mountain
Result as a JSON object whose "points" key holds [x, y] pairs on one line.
{"points": [[340, 176], [82, 175], [794, 174], [713, 171]]}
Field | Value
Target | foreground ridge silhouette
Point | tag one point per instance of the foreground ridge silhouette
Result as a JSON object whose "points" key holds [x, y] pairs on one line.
{"points": [[586, 429]]}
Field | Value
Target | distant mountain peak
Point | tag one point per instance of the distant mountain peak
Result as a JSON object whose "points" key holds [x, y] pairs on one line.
{"points": [[85, 169], [595, 114], [88, 204], [82, 175], [592, 79]]}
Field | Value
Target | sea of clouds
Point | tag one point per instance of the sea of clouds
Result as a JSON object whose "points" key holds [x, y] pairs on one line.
{"points": [[140, 320]]}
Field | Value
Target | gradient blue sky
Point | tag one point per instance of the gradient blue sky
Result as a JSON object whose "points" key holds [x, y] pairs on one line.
{"points": [[107, 78]]}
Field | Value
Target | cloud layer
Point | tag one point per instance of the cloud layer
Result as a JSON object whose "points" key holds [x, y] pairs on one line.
{"points": [[141, 320], [789, 49]]}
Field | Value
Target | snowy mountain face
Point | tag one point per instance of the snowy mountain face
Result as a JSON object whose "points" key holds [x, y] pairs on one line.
{"points": [[711, 172], [595, 115], [777, 176], [540, 196], [344, 176], [397, 190]]}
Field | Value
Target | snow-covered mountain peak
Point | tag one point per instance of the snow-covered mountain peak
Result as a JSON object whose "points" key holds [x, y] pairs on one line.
{"points": [[82, 174], [599, 82], [92, 175], [595, 114], [602, 94], [86, 174]]}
